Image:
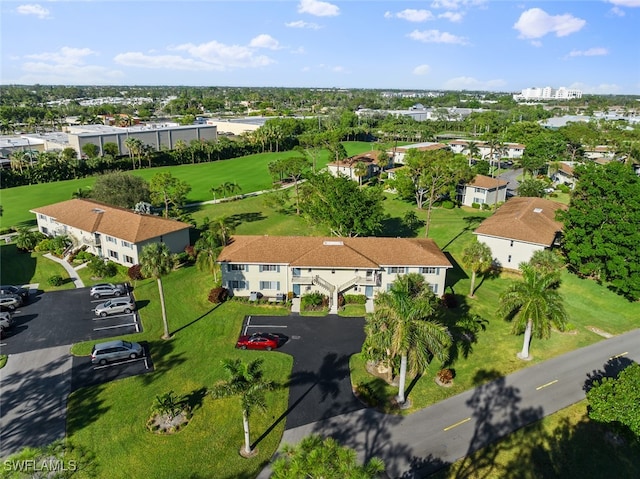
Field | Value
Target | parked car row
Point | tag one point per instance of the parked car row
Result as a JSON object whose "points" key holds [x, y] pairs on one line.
{"points": [[12, 297], [6, 321]]}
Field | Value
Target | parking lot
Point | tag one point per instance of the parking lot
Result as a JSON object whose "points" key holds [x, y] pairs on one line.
{"points": [[320, 385], [63, 317]]}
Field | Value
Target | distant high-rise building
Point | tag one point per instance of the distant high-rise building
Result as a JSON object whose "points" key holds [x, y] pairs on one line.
{"points": [[547, 93]]}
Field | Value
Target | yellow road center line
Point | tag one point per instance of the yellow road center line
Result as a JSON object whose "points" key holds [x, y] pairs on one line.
{"points": [[545, 385], [618, 355], [457, 424]]}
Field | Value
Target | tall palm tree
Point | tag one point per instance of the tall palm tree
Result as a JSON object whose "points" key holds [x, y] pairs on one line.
{"points": [[403, 325], [208, 248], [156, 261], [534, 304], [477, 257], [246, 381], [472, 150], [360, 171]]}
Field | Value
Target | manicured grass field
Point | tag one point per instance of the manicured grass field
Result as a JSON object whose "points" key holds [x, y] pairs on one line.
{"points": [[250, 172], [27, 268]]}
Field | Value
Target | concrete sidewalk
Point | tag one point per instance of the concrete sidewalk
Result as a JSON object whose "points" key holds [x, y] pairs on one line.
{"points": [[70, 270]]}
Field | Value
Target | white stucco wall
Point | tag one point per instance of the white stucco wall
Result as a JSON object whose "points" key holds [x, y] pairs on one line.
{"points": [[509, 253]]}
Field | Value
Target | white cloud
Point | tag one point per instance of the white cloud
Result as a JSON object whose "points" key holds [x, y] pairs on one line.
{"points": [[591, 52], [204, 56], [411, 15], [265, 41], [421, 70], [318, 8], [602, 89], [617, 11], [66, 66], [452, 16], [303, 24], [536, 23], [436, 36], [33, 9], [536, 43], [470, 83], [626, 3], [455, 4]]}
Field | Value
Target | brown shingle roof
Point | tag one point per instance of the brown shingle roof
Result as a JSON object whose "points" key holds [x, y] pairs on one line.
{"points": [[334, 252], [524, 219], [366, 158], [482, 181], [96, 217]]}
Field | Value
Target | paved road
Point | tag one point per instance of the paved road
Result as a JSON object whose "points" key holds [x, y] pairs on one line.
{"points": [[510, 175], [419, 444], [33, 401]]}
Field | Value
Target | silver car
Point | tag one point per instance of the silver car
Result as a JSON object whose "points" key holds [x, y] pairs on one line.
{"points": [[9, 302], [115, 306], [107, 289], [103, 353]]}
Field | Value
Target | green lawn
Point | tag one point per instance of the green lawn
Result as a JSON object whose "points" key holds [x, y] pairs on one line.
{"points": [[28, 268], [250, 172]]}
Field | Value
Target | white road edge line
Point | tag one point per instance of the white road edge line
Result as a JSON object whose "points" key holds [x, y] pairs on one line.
{"points": [[546, 385], [619, 355], [265, 326], [459, 423], [114, 327]]}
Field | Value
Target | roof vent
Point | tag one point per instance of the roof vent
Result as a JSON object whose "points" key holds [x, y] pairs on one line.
{"points": [[333, 243], [537, 210], [97, 210]]}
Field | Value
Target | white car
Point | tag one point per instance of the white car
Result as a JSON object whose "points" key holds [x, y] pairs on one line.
{"points": [[115, 306]]}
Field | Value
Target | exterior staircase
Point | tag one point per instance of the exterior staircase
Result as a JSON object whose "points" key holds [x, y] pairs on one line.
{"points": [[332, 290]]}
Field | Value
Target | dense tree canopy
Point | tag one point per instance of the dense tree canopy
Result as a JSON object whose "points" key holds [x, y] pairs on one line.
{"points": [[341, 206], [120, 189], [617, 400], [601, 234], [168, 191]]}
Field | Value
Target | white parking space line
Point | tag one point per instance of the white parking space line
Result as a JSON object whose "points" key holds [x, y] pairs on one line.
{"points": [[3, 344], [266, 326], [108, 316], [117, 326], [122, 362], [107, 298]]}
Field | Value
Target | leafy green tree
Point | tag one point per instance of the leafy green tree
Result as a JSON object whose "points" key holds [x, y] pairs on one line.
{"points": [[532, 187], [546, 260], [134, 145], [616, 401], [27, 240], [477, 257], [435, 174], [540, 150], [292, 168], [169, 191], [601, 234], [90, 150], [111, 149], [156, 261], [247, 381], [120, 189], [315, 457], [534, 305], [341, 206], [404, 325]]}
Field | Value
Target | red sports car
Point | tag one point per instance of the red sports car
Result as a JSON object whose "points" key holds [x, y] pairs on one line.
{"points": [[265, 341]]}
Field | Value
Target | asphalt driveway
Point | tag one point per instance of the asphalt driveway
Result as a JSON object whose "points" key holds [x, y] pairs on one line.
{"points": [[63, 317], [320, 383]]}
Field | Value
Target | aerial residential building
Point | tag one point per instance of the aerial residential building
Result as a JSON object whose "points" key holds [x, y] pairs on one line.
{"points": [[348, 167], [276, 265], [399, 152], [109, 232], [519, 228], [483, 190]]}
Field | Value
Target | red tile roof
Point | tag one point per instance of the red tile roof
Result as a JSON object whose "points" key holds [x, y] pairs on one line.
{"points": [[531, 220], [96, 217], [332, 252]]}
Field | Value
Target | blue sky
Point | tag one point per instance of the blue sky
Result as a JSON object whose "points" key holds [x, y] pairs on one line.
{"points": [[435, 44]]}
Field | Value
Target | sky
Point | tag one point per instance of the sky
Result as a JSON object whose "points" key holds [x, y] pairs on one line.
{"points": [[505, 46]]}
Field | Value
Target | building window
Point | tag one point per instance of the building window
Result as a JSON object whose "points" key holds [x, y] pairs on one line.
{"points": [[434, 288], [128, 259], [42, 217], [113, 254], [511, 243], [45, 230], [509, 259], [429, 270], [238, 284], [111, 239], [237, 267], [396, 270], [126, 244], [269, 267], [269, 285]]}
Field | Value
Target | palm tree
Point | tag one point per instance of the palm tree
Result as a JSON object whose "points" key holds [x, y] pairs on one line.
{"points": [[472, 150], [208, 248], [246, 381], [534, 304], [403, 326], [360, 171], [156, 261], [477, 257]]}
